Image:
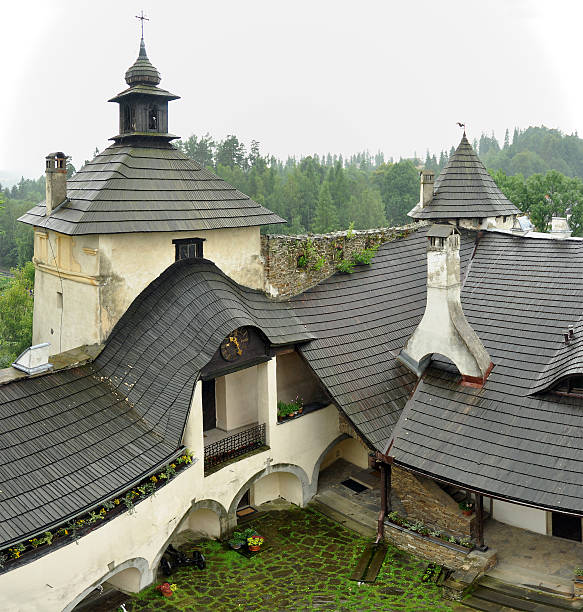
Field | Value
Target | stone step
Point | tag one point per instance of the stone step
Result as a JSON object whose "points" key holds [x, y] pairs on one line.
{"points": [[492, 595], [346, 512], [529, 579], [558, 601]]}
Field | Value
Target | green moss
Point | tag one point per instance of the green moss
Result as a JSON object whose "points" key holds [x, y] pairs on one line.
{"points": [[306, 565]]}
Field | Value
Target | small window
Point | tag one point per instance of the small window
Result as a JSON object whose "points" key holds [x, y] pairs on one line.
{"points": [[59, 300], [129, 119], [153, 118], [573, 385], [188, 248]]}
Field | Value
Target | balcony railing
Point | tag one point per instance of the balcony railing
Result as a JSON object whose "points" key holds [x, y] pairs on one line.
{"points": [[233, 446]]}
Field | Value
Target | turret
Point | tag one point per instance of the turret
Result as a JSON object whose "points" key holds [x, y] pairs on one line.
{"points": [[143, 107]]}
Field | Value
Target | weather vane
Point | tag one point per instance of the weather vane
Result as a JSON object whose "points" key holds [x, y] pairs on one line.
{"points": [[462, 125], [142, 18]]}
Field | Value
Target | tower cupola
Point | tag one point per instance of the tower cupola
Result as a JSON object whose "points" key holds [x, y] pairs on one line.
{"points": [[141, 72], [143, 107]]}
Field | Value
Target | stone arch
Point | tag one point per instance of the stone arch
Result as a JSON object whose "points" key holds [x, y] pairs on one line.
{"points": [[272, 469], [133, 575], [339, 440], [204, 505]]}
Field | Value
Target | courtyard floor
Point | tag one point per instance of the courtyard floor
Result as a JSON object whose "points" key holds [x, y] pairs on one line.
{"points": [[306, 565]]}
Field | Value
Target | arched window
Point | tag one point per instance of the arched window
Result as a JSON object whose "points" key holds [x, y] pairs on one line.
{"points": [[153, 118], [129, 119]]}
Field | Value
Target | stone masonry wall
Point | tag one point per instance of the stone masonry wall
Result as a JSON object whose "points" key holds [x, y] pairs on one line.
{"points": [[425, 501], [469, 563], [281, 253]]}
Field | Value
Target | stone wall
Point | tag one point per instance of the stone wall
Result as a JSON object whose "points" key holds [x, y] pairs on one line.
{"points": [[280, 254], [424, 500], [470, 563]]}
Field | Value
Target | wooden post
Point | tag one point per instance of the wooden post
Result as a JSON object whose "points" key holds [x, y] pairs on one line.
{"points": [[389, 488], [383, 512], [480, 519]]}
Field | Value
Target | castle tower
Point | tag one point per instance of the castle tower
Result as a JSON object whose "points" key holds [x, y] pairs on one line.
{"points": [[102, 236], [464, 194]]}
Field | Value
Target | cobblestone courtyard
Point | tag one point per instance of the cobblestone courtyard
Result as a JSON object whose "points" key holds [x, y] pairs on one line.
{"points": [[306, 566]]}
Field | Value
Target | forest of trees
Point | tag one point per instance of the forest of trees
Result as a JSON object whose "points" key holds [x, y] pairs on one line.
{"points": [[314, 194], [539, 169]]}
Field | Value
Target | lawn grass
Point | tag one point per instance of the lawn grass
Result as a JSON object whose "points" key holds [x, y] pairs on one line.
{"points": [[306, 566]]}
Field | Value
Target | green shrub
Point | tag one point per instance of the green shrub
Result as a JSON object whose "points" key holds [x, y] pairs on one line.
{"points": [[345, 266]]}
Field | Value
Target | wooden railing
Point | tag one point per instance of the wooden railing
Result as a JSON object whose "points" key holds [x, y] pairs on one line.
{"points": [[234, 446]]}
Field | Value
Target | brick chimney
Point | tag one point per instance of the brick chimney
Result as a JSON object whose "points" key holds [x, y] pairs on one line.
{"points": [[56, 180], [444, 328], [426, 188]]}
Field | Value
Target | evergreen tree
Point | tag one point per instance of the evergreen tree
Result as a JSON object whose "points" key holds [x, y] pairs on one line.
{"points": [[506, 139], [326, 217]]}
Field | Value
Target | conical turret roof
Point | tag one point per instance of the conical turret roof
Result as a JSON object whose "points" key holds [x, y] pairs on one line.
{"points": [[141, 72], [465, 190]]}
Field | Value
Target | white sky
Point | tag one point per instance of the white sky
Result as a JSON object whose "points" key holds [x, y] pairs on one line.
{"points": [[301, 77]]}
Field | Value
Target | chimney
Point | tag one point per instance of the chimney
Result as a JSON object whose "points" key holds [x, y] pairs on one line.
{"points": [[56, 180], [560, 228], [426, 190], [444, 328]]}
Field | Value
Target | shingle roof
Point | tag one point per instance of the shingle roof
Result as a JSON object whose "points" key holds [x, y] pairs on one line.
{"points": [[73, 438], [362, 320], [141, 72], [148, 189], [465, 190], [504, 439]]}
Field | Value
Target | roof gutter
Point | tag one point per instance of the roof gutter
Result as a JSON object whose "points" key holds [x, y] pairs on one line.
{"points": [[88, 508]]}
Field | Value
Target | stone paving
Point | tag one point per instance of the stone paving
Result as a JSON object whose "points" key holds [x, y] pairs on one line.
{"points": [[545, 557], [306, 565], [331, 478]]}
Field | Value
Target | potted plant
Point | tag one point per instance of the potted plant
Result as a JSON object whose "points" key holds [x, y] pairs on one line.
{"points": [[466, 507], [237, 540], [254, 542], [578, 574], [166, 589]]}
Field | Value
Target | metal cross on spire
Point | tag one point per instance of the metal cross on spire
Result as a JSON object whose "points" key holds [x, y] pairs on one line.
{"points": [[142, 18]]}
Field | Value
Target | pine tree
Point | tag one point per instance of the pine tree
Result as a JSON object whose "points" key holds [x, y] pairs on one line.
{"points": [[326, 217], [506, 139]]}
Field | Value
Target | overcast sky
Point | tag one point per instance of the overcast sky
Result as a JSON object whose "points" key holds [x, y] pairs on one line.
{"points": [[301, 77]]}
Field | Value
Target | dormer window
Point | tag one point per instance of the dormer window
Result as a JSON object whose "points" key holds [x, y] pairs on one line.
{"points": [[153, 118], [572, 385]]}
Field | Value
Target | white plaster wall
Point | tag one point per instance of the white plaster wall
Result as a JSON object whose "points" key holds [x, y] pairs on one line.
{"points": [[204, 523], [277, 484], [236, 399], [105, 273], [350, 450], [79, 317], [520, 516], [294, 378], [130, 262], [290, 488], [265, 489], [52, 582]]}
